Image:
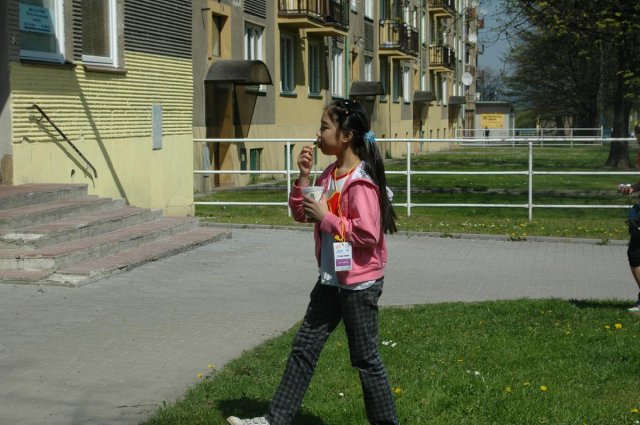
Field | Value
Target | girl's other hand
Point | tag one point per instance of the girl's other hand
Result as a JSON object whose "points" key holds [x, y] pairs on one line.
{"points": [[314, 210]]}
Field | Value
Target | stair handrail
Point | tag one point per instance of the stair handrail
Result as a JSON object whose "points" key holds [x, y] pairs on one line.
{"points": [[35, 106]]}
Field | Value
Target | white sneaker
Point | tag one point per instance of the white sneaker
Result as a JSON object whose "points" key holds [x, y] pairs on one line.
{"points": [[255, 421]]}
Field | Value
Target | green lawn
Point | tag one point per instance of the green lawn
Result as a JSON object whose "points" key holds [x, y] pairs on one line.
{"points": [[601, 224], [506, 362]]}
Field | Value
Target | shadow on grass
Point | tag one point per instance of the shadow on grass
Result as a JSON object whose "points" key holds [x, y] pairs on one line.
{"points": [[250, 408], [612, 304]]}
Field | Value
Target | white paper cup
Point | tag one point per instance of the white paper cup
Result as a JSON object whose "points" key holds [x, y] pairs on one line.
{"points": [[314, 192]]}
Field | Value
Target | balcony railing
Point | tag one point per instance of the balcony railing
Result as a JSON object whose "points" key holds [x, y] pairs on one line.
{"points": [[442, 56], [329, 12], [399, 36], [443, 5]]}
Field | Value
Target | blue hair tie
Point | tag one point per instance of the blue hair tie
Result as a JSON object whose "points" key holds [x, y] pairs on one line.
{"points": [[369, 137]]}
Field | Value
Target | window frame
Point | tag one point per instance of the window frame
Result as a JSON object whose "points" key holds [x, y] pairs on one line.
{"points": [[337, 71], [384, 78], [287, 63], [254, 38], [314, 64], [58, 33], [112, 59], [368, 68], [406, 82]]}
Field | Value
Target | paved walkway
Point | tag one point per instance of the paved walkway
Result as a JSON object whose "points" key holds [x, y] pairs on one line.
{"points": [[110, 352]]}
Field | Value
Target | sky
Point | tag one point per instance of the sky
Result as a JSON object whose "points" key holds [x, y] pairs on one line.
{"points": [[493, 49]]}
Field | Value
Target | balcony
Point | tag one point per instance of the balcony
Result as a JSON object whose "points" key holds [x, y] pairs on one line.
{"points": [[328, 18], [398, 39], [442, 7], [441, 59]]}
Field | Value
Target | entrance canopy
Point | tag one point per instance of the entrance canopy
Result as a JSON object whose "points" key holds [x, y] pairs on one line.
{"points": [[239, 72]]}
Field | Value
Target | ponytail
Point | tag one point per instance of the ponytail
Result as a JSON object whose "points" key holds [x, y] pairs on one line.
{"points": [[352, 117]]}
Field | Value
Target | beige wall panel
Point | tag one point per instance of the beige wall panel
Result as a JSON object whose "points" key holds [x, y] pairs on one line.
{"points": [[108, 117]]}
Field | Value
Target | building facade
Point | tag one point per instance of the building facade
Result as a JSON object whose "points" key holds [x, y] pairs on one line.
{"points": [[99, 92], [411, 62]]}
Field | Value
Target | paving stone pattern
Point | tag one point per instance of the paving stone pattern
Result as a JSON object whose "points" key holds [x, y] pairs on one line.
{"points": [[110, 352]]}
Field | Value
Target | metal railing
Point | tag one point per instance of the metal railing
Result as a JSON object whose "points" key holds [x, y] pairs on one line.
{"points": [[45, 116], [409, 173]]}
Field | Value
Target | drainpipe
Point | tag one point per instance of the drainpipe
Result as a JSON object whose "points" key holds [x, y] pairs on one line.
{"points": [[347, 63]]}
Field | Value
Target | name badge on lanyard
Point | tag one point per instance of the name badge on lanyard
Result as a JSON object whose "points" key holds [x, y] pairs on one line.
{"points": [[342, 256]]}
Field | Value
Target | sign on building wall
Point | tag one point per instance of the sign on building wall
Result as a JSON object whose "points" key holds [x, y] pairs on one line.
{"points": [[492, 121], [35, 19]]}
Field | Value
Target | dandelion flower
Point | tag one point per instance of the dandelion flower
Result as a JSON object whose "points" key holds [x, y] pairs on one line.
{"points": [[211, 366], [200, 375], [635, 410], [507, 390], [543, 388], [397, 390], [618, 326]]}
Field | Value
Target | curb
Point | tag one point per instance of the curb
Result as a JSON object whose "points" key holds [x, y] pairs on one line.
{"points": [[471, 236]]}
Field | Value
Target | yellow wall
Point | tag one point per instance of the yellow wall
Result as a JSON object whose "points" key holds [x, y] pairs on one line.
{"points": [[108, 117]]}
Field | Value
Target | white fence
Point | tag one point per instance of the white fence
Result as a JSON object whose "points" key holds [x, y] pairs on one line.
{"points": [[519, 142]]}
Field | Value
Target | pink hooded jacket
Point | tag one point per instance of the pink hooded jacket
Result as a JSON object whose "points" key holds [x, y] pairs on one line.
{"points": [[362, 224]]}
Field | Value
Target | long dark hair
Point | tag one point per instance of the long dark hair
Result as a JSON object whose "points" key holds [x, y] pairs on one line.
{"points": [[351, 117]]}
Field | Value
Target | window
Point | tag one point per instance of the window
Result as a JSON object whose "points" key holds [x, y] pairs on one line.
{"points": [[217, 22], [354, 5], [368, 8], [406, 83], [385, 10], [384, 77], [99, 34], [314, 68], [41, 30], [368, 68], [287, 63], [243, 158], [254, 163], [337, 71], [253, 45], [287, 165], [396, 81]]}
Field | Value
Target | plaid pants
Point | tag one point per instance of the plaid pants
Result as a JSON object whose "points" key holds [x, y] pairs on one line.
{"points": [[359, 311]]}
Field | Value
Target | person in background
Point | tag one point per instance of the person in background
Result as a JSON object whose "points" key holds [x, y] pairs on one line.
{"points": [[350, 222], [633, 251]]}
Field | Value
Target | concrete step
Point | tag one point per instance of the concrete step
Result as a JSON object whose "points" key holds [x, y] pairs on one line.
{"points": [[62, 255], [91, 270], [82, 226], [24, 276], [32, 214], [29, 194]]}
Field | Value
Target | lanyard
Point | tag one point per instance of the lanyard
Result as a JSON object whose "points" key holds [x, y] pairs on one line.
{"points": [[340, 237]]}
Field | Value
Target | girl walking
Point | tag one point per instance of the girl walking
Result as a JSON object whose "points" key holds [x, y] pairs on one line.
{"points": [[350, 222]]}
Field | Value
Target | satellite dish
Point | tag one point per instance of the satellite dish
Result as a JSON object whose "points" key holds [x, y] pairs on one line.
{"points": [[473, 37], [467, 79]]}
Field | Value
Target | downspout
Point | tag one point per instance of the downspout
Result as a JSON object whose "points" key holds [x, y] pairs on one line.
{"points": [[347, 65]]}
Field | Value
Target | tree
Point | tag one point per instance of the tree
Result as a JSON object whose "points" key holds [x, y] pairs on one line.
{"points": [[604, 41], [490, 84]]}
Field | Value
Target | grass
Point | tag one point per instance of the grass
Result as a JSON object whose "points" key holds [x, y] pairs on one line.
{"points": [[504, 362], [601, 224]]}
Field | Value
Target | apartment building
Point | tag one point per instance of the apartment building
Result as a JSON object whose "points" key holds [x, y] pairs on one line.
{"points": [[99, 92], [266, 69]]}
